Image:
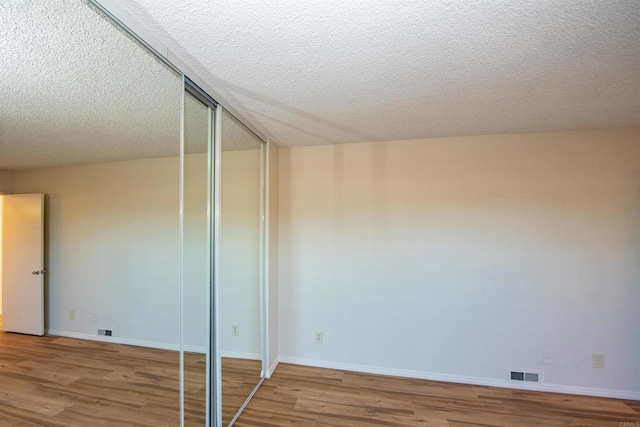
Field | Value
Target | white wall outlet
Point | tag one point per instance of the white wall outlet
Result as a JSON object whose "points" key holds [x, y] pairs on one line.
{"points": [[547, 357], [235, 330], [94, 316], [72, 314], [319, 337], [598, 360]]}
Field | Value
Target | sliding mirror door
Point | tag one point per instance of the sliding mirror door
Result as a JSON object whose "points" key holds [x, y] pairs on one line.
{"points": [[240, 265], [196, 256], [103, 127], [221, 322], [91, 119]]}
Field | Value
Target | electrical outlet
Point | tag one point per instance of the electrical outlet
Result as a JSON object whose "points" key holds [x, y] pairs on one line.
{"points": [[547, 357], [598, 360], [94, 316], [319, 337], [235, 330], [72, 314]]}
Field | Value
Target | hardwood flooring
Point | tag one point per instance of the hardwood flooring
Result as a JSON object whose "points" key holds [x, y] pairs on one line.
{"points": [[54, 381], [239, 378], [302, 396]]}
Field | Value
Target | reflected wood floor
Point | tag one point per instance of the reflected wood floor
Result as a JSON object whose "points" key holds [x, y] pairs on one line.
{"points": [[56, 381], [239, 378], [303, 396]]}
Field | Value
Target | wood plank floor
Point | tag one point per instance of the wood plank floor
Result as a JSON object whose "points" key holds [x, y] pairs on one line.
{"points": [[54, 381], [239, 378], [303, 396]]}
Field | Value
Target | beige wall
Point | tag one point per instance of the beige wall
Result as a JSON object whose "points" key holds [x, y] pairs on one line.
{"points": [[239, 274], [112, 249], [6, 181], [1, 202], [6, 186], [464, 258], [112, 233], [273, 157]]}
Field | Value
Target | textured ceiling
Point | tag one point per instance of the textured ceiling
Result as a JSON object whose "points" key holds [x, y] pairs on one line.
{"points": [[325, 71], [75, 89], [236, 136]]}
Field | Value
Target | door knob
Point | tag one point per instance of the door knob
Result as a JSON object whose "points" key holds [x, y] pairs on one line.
{"points": [[35, 272]]}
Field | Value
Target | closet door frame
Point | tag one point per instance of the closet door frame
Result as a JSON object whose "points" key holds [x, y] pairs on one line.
{"points": [[213, 366]]}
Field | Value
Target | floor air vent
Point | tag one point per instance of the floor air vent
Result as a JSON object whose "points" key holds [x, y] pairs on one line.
{"points": [[525, 376]]}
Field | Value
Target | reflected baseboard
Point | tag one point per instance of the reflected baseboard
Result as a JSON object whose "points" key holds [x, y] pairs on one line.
{"points": [[241, 355], [194, 349], [150, 344], [117, 340]]}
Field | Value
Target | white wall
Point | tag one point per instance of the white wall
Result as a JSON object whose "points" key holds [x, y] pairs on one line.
{"points": [[112, 248], [273, 231], [239, 254], [239, 289], [464, 258], [196, 256]]}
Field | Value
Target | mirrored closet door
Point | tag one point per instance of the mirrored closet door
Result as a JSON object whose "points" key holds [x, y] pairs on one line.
{"points": [[197, 256], [154, 217], [239, 279], [221, 282], [91, 119]]}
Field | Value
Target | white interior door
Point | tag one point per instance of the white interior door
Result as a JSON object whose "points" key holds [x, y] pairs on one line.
{"points": [[23, 263]]}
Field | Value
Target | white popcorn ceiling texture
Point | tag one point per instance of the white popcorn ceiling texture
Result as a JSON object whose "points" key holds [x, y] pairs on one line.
{"points": [[326, 71], [76, 89], [236, 136]]}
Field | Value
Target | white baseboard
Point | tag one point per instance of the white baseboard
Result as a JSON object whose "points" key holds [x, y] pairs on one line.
{"points": [[241, 355], [115, 340], [553, 388], [194, 349], [272, 368], [126, 341]]}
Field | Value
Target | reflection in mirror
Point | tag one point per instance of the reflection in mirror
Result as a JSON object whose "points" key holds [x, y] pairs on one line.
{"points": [[92, 120], [196, 258], [240, 265]]}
